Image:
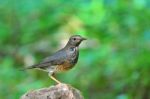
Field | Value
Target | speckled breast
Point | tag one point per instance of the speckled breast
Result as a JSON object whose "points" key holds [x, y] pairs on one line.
{"points": [[69, 62]]}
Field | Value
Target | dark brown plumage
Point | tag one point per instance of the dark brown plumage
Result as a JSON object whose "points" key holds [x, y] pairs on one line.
{"points": [[63, 59]]}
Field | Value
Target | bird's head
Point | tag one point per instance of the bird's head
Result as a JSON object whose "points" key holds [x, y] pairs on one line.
{"points": [[75, 40]]}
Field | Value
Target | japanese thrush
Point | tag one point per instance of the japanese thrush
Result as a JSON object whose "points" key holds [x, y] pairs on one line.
{"points": [[62, 60]]}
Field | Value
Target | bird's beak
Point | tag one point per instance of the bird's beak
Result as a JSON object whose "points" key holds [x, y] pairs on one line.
{"points": [[83, 38]]}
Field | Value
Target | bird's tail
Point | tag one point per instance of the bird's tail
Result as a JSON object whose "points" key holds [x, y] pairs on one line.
{"points": [[29, 67]]}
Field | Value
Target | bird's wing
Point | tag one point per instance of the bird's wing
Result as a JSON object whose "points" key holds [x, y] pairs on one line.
{"points": [[56, 59]]}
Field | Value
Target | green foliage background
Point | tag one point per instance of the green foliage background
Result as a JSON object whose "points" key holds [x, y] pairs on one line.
{"points": [[114, 62]]}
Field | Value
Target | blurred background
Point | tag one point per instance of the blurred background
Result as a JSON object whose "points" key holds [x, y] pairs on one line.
{"points": [[114, 62]]}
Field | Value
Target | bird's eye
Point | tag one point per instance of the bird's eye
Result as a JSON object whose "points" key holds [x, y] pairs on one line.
{"points": [[74, 39]]}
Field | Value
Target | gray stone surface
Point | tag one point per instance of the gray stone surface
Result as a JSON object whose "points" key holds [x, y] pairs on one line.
{"points": [[60, 91]]}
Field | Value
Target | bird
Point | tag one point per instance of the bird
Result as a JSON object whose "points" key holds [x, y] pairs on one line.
{"points": [[62, 60]]}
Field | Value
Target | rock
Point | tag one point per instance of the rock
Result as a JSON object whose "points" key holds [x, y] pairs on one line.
{"points": [[60, 91]]}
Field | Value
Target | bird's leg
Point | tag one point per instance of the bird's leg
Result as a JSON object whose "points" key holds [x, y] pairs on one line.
{"points": [[53, 78]]}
